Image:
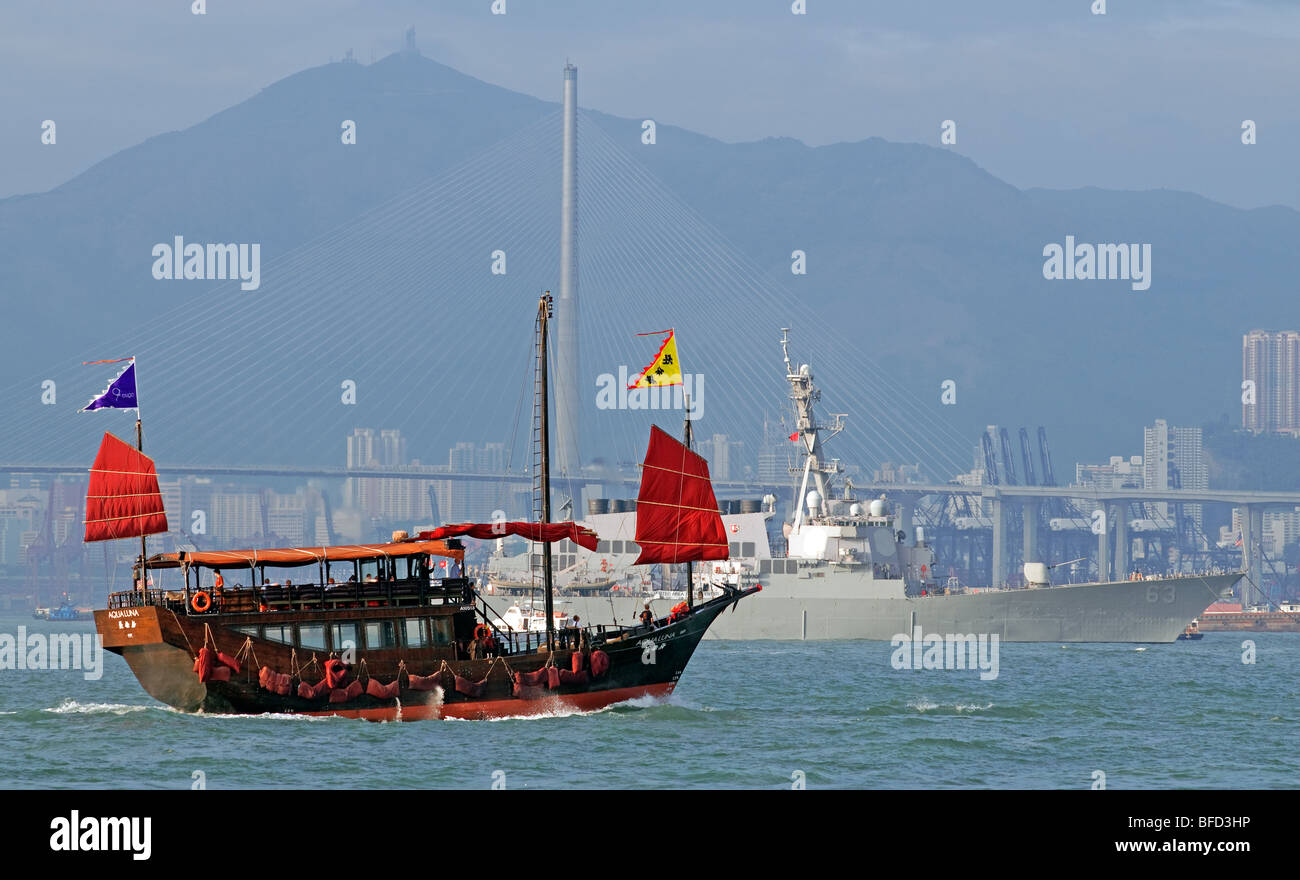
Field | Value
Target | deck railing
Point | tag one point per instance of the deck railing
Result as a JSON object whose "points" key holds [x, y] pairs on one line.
{"points": [[298, 597]]}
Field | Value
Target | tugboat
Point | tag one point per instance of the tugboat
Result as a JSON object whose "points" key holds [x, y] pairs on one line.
{"points": [[64, 611], [1192, 633], [374, 633]]}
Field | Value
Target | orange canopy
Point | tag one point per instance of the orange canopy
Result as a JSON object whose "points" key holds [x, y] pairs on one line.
{"points": [[294, 556]]}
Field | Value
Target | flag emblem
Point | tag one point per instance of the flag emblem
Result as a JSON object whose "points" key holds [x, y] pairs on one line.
{"points": [[665, 368], [120, 393]]}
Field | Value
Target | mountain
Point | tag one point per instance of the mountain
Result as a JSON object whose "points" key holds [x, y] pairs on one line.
{"points": [[919, 262]]}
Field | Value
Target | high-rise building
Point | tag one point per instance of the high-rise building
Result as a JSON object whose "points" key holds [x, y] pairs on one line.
{"points": [[287, 517], [21, 513], [461, 458], [460, 501], [888, 472], [361, 448], [777, 454], [368, 449], [1270, 360], [1173, 459], [491, 459], [392, 448], [234, 517], [725, 458], [1118, 473]]}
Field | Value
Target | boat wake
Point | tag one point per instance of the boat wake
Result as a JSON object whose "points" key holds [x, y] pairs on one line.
{"points": [[263, 716], [923, 705], [74, 707]]}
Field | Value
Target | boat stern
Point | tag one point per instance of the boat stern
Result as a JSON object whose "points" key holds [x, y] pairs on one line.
{"points": [[140, 636]]}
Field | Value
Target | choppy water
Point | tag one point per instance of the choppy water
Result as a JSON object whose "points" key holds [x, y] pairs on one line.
{"points": [[755, 714]]}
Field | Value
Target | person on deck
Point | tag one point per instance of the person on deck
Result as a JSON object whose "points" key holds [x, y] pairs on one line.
{"points": [[647, 616], [568, 632]]}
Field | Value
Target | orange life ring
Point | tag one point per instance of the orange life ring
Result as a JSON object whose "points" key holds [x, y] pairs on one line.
{"points": [[481, 631], [201, 601]]}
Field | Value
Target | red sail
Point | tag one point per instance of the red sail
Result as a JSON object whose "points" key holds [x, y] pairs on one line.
{"points": [[122, 500], [548, 532], [676, 514]]}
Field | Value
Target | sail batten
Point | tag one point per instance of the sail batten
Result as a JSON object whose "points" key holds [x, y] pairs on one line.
{"points": [[123, 499], [677, 517]]}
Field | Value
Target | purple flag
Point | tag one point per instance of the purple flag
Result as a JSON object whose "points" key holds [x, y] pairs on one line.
{"points": [[120, 393]]}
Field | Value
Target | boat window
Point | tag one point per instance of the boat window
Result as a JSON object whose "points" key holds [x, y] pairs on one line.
{"points": [[415, 633], [246, 630], [278, 633], [369, 569], [765, 566], [380, 634], [747, 549], [618, 547], [442, 632], [343, 632], [403, 568], [602, 547], [735, 548], [311, 636]]}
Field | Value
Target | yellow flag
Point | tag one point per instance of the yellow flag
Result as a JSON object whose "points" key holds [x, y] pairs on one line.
{"points": [[664, 369]]}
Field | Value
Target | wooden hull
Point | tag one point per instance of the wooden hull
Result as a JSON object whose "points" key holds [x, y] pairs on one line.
{"points": [[160, 644]]}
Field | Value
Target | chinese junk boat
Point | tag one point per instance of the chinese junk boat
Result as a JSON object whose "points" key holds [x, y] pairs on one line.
{"points": [[373, 632]]}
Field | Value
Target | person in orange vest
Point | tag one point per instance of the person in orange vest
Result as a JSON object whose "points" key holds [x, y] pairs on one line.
{"points": [[218, 588]]}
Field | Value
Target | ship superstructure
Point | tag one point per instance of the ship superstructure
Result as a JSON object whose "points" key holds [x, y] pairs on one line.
{"points": [[851, 569]]}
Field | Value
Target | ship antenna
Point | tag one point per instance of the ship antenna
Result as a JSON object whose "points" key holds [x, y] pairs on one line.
{"points": [[785, 347]]}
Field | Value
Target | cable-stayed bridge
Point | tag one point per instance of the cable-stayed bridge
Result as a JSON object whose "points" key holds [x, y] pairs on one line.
{"points": [[424, 304]]}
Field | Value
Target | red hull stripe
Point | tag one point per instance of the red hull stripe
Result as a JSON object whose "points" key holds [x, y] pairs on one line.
{"points": [[479, 710]]}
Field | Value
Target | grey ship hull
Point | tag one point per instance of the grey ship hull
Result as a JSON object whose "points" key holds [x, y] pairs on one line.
{"points": [[1147, 611]]}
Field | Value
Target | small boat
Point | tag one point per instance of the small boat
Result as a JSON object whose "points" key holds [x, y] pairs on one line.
{"points": [[1191, 633], [525, 619], [373, 632], [65, 610]]}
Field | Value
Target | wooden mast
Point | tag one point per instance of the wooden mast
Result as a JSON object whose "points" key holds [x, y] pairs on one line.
{"points": [[543, 314], [139, 445], [687, 437]]}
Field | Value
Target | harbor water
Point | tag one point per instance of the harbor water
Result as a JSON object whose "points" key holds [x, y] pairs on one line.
{"points": [[745, 715]]}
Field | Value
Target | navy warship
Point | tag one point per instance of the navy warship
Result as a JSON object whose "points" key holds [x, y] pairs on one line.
{"points": [[850, 571]]}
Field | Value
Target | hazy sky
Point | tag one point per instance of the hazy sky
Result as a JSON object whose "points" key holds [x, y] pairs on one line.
{"points": [[1044, 93]]}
